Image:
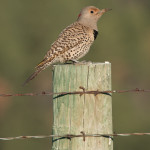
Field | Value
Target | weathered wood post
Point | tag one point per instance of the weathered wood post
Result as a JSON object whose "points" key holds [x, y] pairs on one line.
{"points": [[89, 113]]}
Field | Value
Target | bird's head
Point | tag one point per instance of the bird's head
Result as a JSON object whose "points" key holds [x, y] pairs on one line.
{"points": [[90, 15]]}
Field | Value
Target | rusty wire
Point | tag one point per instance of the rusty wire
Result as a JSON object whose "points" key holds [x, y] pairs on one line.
{"points": [[70, 136], [108, 92]]}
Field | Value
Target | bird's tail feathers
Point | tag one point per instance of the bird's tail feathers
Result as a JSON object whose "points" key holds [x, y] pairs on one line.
{"points": [[33, 75], [42, 63], [41, 66]]}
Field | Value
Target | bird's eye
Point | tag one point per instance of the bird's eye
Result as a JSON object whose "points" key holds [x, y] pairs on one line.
{"points": [[92, 12]]}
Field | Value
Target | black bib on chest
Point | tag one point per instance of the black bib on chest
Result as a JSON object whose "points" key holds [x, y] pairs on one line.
{"points": [[95, 34]]}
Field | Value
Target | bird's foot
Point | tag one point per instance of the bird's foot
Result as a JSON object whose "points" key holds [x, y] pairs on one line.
{"points": [[71, 61], [83, 62], [75, 62]]}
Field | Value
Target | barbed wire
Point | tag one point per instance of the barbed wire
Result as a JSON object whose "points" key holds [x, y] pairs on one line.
{"points": [[108, 92], [70, 136]]}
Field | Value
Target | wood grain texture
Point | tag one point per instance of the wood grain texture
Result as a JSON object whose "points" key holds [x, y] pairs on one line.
{"points": [[89, 113]]}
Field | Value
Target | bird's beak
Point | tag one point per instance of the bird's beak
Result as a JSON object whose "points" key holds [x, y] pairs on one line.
{"points": [[104, 10]]}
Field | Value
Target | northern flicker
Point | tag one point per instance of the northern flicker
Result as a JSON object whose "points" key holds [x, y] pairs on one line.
{"points": [[74, 41]]}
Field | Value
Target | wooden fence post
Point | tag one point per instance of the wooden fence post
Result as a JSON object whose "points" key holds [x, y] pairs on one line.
{"points": [[88, 113]]}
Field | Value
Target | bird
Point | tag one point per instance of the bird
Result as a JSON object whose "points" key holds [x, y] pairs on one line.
{"points": [[74, 41]]}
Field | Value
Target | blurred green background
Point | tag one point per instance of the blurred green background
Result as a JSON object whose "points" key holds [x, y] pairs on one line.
{"points": [[28, 28]]}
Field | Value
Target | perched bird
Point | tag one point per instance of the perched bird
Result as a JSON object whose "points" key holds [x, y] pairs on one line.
{"points": [[74, 41]]}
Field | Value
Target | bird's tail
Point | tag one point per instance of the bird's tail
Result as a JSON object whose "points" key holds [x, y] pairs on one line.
{"points": [[41, 66], [33, 76]]}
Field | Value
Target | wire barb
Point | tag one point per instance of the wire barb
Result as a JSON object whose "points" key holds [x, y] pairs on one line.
{"points": [[82, 132]]}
